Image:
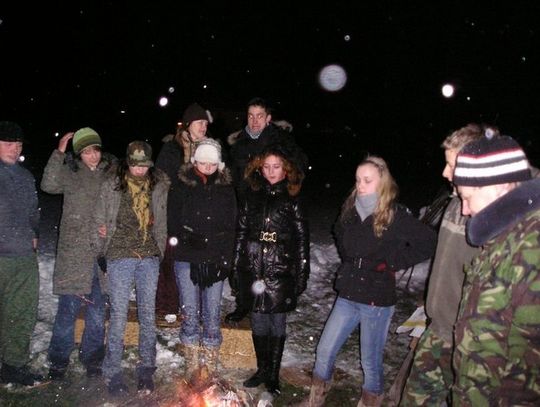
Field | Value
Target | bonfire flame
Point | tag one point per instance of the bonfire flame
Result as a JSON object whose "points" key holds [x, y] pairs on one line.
{"points": [[206, 391]]}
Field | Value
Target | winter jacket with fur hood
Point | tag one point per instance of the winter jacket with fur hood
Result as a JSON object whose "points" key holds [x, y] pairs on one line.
{"points": [[272, 247], [67, 175], [202, 217]]}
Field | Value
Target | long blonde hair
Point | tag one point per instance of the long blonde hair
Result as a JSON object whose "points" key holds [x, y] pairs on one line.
{"points": [[387, 190]]}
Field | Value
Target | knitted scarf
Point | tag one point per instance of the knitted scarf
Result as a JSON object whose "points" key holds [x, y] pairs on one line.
{"points": [[139, 189]]}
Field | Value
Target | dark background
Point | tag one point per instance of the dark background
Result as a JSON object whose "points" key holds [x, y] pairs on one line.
{"points": [[106, 64]]}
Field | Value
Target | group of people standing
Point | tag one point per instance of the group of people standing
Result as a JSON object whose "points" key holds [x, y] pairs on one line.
{"points": [[118, 218], [245, 221]]}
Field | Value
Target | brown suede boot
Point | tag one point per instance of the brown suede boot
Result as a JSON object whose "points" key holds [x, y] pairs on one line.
{"points": [[210, 359], [370, 399], [191, 360], [317, 394]]}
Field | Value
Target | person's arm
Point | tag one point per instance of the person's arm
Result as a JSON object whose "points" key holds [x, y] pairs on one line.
{"points": [[53, 181], [416, 243], [301, 232]]}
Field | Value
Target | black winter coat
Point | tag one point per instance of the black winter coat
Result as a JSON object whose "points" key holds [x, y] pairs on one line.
{"points": [[203, 218], [406, 242], [272, 246]]}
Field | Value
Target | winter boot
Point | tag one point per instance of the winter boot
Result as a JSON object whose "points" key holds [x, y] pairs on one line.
{"points": [[317, 394], [277, 343], [116, 386], [210, 359], [191, 358], [93, 362], [262, 352], [56, 373], [145, 382], [370, 399], [19, 375], [236, 316]]}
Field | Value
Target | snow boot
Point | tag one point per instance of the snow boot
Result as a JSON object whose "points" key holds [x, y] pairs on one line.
{"points": [[56, 373], [317, 394], [19, 375], [260, 344], [370, 399], [276, 346], [236, 316], [210, 359], [145, 382], [116, 386], [191, 360]]}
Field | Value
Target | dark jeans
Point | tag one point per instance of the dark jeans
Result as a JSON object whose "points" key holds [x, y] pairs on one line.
{"points": [[91, 351]]}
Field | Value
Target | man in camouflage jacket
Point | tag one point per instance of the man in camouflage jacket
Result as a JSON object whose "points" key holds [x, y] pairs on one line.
{"points": [[497, 333]]}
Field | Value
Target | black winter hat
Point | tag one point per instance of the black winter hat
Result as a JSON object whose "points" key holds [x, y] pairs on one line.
{"points": [[195, 112], [491, 161], [10, 131]]}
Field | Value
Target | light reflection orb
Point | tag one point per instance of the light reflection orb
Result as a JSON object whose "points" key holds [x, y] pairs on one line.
{"points": [[332, 78]]}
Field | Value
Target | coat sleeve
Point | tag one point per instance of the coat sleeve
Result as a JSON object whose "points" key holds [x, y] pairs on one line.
{"points": [[55, 173], [416, 242], [239, 249], [301, 231]]}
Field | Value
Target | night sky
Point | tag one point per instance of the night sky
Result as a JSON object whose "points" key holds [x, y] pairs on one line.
{"points": [[106, 65]]}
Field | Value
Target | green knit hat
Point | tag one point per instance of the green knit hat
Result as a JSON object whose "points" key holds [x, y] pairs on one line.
{"points": [[85, 137]]}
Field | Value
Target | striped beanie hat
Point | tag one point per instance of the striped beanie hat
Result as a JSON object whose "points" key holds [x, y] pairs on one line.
{"points": [[491, 161], [85, 137]]}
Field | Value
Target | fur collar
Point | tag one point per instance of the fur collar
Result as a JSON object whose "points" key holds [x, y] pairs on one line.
{"points": [[506, 211], [187, 176]]}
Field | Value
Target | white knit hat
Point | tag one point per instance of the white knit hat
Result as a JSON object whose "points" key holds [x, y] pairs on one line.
{"points": [[208, 151]]}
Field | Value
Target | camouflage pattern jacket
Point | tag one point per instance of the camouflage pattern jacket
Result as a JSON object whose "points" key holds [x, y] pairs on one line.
{"points": [[497, 356]]}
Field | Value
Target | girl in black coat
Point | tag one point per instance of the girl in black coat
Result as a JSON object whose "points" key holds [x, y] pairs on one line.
{"points": [[202, 219], [375, 238], [271, 256]]}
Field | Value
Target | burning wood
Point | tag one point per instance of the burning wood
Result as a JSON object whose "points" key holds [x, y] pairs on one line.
{"points": [[204, 390]]}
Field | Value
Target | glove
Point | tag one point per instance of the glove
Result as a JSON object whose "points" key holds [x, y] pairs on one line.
{"points": [[203, 274], [379, 265], [102, 263]]}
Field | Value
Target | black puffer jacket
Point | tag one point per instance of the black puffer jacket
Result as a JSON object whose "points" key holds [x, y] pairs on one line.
{"points": [[272, 246], [202, 217], [369, 263]]}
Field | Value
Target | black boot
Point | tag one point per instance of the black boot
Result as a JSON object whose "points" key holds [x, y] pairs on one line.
{"points": [[93, 362], [277, 343], [20, 375], [145, 381], [261, 351], [237, 315]]}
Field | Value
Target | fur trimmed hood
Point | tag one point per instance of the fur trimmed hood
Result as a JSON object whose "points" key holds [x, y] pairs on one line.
{"points": [[506, 211], [281, 124], [186, 176]]}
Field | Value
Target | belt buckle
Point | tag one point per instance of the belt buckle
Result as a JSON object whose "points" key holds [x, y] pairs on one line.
{"points": [[268, 237]]}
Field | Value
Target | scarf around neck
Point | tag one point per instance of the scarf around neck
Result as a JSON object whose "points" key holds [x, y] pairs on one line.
{"points": [[139, 189], [365, 205]]}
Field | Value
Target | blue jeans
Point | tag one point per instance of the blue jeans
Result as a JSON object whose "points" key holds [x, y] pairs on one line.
{"points": [[92, 347], [373, 322], [121, 274], [199, 306]]}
